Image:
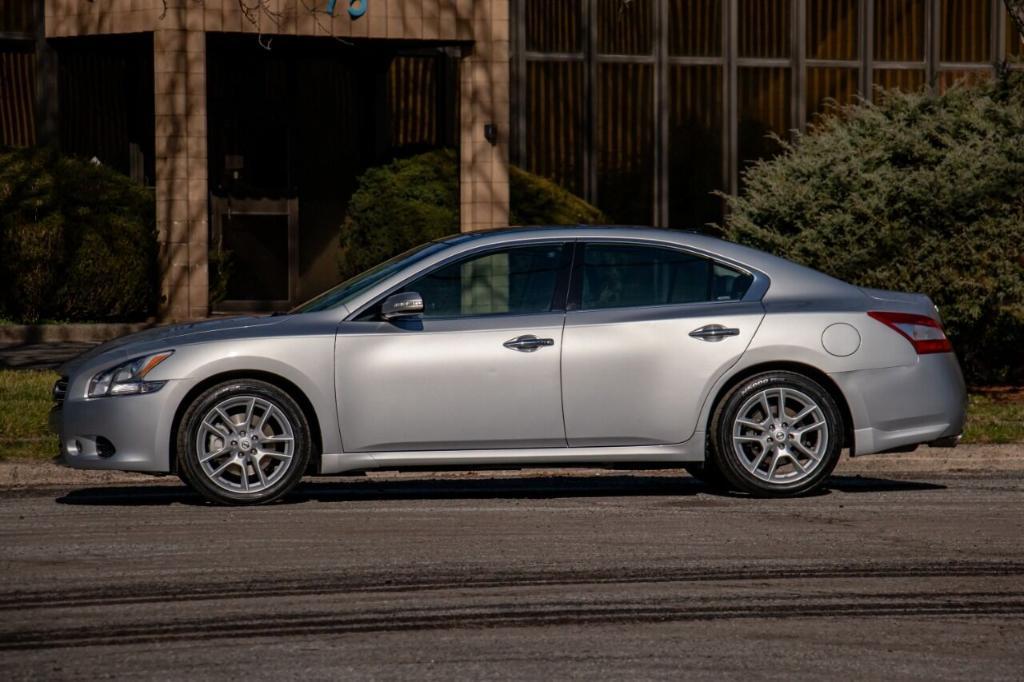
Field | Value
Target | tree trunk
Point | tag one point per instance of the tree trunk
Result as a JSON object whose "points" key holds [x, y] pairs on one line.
{"points": [[1016, 10]]}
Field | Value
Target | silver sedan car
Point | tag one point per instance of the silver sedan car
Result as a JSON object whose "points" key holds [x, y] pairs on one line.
{"points": [[574, 346]]}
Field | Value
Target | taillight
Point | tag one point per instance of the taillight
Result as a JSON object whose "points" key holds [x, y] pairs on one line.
{"points": [[924, 333]]}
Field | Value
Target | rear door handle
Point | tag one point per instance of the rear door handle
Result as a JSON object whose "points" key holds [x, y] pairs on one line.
{"points": [[527, 343], [714, 332]]}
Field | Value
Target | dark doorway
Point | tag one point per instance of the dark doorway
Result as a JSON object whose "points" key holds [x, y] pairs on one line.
{"points": [[297, 124]]}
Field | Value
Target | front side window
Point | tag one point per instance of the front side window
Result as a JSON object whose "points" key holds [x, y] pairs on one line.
{"points": [[625, 275], [514, 281]]}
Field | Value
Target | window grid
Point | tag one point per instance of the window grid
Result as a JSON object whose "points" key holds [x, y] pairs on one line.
{"points": [[803, 69]]}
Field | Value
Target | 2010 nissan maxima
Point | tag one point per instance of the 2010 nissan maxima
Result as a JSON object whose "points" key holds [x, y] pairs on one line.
{"points": [[528, 346]]}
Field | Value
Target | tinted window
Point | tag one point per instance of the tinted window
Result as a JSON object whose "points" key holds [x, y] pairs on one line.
{"points": [[618, 275], [514, 281]]}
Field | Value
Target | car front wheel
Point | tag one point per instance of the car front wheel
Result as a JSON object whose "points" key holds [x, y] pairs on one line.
{"points": [[777, 434], [243, 442]]}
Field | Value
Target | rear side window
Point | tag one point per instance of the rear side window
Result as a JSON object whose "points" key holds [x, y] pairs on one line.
{"points": [[625, 275]]}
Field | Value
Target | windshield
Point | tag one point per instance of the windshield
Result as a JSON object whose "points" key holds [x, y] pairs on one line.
{"points": [[347, 290]]}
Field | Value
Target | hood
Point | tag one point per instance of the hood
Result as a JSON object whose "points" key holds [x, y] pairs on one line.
{"points": [[145, 341]]}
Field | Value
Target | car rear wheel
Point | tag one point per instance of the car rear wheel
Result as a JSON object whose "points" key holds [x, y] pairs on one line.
{"points": [[777, 434], [243, 442]]}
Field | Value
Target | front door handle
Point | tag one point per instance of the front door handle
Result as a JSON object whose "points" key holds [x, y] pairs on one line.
{"points": [[714, 332], [527, 343]]}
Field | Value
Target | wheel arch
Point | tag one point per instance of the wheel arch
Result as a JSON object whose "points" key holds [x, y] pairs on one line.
{"points": [[277, 380], [809, 371]]}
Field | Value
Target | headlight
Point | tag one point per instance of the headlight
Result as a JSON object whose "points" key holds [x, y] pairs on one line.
{"points": [[128, 378]]}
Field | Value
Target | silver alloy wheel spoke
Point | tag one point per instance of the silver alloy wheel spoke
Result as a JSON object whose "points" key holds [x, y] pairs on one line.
{"points": [[263, 419], [772, 439], [247, 422], [242, 458], [216, 453], [813, 427], [259, 471], [760, 426], [275, 455], [804, 449]]}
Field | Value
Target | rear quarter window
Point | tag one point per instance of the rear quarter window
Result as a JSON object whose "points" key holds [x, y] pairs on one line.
{"points": [[628, 275]]}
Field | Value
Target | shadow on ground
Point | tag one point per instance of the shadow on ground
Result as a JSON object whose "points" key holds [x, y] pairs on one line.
{"points": [[545, 487]]}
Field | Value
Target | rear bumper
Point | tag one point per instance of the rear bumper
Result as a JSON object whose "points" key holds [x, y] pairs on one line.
{"points": [[897, 407]]}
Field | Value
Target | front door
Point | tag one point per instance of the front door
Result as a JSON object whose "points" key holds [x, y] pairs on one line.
{"points": [[652, 329], [479, 369]]}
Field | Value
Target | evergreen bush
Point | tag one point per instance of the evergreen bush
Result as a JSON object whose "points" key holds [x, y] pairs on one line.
{"points": [[414, 200], [918, 193], [77, 240]]}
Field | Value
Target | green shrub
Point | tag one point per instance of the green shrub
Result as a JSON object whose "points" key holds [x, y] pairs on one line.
{"points": [[917, 193], [77, 240], [414, 200], [397, 206], [538, 201]]}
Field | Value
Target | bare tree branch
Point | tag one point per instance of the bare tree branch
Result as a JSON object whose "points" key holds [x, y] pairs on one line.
{"points": [[1016, 10], [254, 11]]}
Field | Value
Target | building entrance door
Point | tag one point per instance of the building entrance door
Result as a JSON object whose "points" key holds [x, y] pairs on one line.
{"points": [[254, 254]]}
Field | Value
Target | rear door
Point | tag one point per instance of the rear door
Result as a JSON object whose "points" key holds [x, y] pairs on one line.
{"points": [[649, 329]]}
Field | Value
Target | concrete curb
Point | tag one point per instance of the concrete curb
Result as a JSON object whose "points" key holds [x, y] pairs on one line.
{"points": [[23, 334]]}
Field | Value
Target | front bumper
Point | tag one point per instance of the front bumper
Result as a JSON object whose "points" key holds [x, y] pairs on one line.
{"points": [[127, 433], [897, 407]]}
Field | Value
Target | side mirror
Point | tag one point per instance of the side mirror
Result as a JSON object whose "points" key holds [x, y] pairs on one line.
{"points": [[401, 305]]}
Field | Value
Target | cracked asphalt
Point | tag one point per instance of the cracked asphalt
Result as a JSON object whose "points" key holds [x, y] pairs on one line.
{"points": [[617, 575]]}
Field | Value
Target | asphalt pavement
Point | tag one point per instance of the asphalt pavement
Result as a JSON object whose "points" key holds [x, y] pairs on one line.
{"points": [[615, 576]]}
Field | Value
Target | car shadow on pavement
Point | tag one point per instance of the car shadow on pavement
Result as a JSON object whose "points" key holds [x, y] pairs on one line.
{"points": [[531, 487], [868, 484]]}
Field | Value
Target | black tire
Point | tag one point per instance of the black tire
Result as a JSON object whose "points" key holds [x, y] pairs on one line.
{"points": [[726, 459], [191, 470]]}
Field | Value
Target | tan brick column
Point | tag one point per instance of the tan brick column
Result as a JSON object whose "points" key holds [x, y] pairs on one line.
{"points": [[179, 64], [484, 75]]}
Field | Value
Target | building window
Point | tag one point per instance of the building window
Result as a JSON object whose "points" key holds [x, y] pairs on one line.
{"points": [[625, 28], [17, 95], [764, 97], [965, 31], [625, 142], [554, 122], [553, 26], [696, 134], [695, 28], [17, 17], [832, 29], [899, 30], [648, 107], [764, 28]]}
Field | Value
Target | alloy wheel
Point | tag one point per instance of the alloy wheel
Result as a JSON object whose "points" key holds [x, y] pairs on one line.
{"points": [[245, 444], [780, 435]]}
